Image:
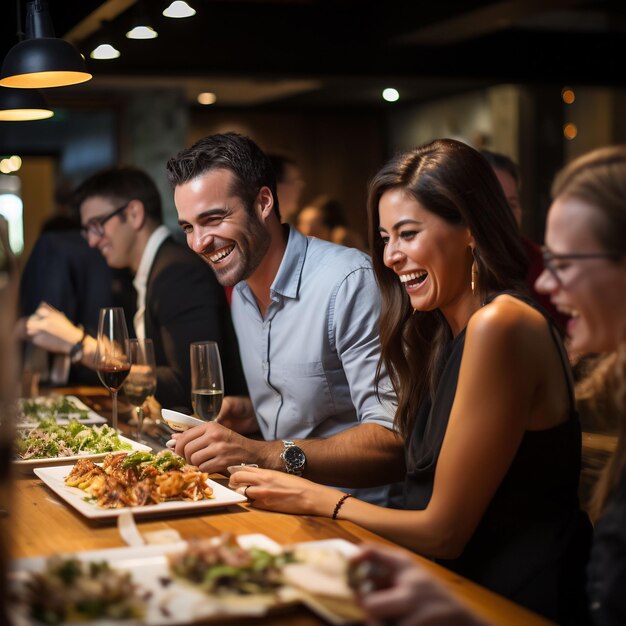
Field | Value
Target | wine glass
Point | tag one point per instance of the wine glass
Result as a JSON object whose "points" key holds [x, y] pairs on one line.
{"points": [[112, 359], [141, 382], [207, 382]]}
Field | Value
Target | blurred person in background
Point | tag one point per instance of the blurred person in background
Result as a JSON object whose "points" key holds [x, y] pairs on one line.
{"points": [[289, 186], [178, 299], [510, 177], [324, 218], [585, 277], [9, 383], [65, 272]]}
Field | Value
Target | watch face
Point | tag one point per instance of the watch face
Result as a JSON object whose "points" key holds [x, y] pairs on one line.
{"points": [[294, 458]]}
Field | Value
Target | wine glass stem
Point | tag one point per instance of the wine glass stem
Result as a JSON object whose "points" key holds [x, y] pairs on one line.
{"points": [[139, 410], [114, 416]]}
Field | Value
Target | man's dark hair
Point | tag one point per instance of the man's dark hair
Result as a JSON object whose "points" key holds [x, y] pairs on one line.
{"points": [[250, 166], [122, 184], [502, 162], [280, 162]]}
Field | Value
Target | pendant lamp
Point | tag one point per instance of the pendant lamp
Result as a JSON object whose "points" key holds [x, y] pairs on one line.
{"points": [[22, 105], [179, 9], [41, 60]]}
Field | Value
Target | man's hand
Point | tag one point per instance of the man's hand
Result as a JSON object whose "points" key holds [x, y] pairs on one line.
{"points": [[213, 447], [51, 330], [237, 414]]}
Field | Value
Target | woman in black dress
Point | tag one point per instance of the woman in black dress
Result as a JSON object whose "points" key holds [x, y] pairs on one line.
{"points": [[485, 401], [585, 277]]}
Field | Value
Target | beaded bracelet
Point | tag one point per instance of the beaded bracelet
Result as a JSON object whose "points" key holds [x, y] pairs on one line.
{"points": [[340, 504]]}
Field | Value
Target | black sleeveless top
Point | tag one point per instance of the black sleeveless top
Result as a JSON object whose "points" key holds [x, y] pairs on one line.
{"points": [[532, 543], [607, 566]]}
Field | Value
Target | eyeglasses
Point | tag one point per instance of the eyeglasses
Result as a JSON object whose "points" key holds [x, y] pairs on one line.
{"points": [[95, 226], [557, 263]]}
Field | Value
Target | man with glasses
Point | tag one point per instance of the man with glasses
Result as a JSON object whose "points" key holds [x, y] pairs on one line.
{"points": [[178, 298]]}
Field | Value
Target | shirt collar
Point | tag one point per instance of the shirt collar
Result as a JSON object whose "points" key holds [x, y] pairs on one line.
{"points": [[287, 280], [147, 258]]}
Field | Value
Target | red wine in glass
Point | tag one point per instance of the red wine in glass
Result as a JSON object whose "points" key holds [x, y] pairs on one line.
{"points": [[112, 357], [113, 377]]}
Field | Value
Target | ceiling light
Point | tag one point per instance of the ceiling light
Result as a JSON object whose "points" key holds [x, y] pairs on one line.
{"points": [[390, 94], [206, 97], [178, 8], [104, 51], [22, 105], [568, 95], [570, 131], [142, 32], [10, 164], [41, 60], [15, 162]]}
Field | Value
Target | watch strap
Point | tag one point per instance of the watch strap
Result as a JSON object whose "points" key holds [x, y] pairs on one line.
{"points": [[76, 351]]}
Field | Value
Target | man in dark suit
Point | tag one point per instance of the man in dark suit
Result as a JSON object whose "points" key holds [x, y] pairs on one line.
{"points": [[178, 298]]}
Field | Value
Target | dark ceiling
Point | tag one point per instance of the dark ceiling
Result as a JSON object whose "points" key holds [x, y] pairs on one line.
{"points": [[348, 50]]}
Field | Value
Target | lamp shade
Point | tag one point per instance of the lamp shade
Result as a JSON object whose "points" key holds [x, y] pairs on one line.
{"points": [[179, 9], [22, 105], [42, 60]]}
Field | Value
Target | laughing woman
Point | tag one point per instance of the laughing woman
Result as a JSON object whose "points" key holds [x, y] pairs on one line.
{"points": [[586, 275], [485, 400]]}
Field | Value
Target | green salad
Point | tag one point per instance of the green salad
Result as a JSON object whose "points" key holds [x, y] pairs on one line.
{"points": [[49, 440], [221, 566], [49, 407], [74, 591]]}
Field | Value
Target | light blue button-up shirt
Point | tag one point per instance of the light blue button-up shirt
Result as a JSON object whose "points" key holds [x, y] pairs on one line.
{"points": [[310, 364]]}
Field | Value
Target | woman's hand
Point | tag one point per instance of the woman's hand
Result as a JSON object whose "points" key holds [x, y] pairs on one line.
{"points": [[278, 491], [399, 591]]}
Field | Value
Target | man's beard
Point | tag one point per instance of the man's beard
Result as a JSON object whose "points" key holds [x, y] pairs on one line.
{"points": [[252, 250]]}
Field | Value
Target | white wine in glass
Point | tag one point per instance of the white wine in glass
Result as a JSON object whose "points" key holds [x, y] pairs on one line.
{"points": [[112, 360], [141, 382], [207, 382]]}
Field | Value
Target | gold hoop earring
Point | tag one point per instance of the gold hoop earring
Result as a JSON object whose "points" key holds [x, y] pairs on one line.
{"points": [[474, 281]]}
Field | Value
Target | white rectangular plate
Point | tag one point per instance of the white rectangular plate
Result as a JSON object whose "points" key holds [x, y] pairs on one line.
{"points": [[54, 478], [32, 464], [63, 419], [177, 601]]}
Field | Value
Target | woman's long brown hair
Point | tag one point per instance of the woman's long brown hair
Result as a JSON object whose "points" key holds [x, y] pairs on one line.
{"points": [[455, 182]]}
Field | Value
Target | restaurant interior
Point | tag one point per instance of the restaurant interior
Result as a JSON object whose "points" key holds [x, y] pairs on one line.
{"points": [[339, 86]]}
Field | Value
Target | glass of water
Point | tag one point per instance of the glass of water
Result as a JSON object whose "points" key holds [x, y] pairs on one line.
{"points": [[207, 381]]}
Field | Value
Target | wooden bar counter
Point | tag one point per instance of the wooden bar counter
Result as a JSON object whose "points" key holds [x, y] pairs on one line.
{"points": [[41, 525]]}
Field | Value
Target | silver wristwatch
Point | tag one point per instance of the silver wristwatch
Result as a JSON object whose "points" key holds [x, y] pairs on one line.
{"points": [[293, 457]]}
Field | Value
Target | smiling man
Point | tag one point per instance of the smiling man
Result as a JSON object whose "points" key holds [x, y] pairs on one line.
{"points": [[178, 299], [306, 316]]}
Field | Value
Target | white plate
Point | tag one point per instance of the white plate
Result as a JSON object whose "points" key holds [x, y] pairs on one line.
{"points": [[179, 421], [170, 603], [184, 604], [32, 464], [63, 419], [54, 477]]}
